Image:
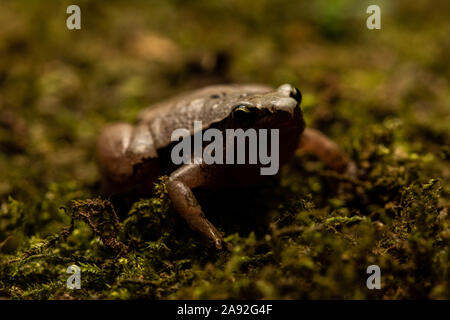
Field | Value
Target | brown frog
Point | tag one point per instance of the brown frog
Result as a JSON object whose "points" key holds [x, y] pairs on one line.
{"points": [[133, 157]]}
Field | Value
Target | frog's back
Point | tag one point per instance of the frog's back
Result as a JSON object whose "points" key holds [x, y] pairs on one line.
{"points": [[209, 105]]}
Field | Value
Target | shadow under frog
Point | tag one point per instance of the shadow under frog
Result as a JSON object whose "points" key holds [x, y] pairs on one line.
{"points": [[131, 157]]}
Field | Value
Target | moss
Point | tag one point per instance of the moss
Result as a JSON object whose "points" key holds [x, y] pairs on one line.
{"points": [[382, 96]]}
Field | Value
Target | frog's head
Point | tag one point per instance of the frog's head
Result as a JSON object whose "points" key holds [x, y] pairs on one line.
{"points": [[275, 109]]}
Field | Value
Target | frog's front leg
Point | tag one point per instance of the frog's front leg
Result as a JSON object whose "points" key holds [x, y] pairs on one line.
{"points": [[317, 143], [180, 185]]}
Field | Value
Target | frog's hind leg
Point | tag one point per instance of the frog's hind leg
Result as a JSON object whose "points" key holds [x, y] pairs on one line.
{"points": [[317, 143], [180, 185], [121, 149]]}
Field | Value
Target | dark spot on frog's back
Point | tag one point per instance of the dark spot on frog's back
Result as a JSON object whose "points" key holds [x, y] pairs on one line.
{"points": [[215, 96]]}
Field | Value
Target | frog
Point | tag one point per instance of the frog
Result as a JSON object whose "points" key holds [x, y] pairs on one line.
{"points": [[133, 156]]}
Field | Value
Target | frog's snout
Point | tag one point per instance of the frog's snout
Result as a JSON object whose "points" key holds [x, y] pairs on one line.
{"points": [[291, 99], [290, 91]]}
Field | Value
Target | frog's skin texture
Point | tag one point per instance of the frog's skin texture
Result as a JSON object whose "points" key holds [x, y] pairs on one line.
{"points": [[133, 157]]}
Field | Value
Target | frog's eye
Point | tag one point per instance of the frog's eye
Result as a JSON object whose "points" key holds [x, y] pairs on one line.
{"points": [[241, 109], [241, 112]]}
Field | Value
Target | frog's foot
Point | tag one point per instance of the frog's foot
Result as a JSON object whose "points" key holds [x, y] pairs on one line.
{"points": [[317, 143], [180, 185]]}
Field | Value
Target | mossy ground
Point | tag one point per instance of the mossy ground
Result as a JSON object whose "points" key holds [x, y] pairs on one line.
{"points": [[383, 95]]}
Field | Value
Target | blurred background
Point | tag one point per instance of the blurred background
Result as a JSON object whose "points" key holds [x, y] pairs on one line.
{"points": [[59, 87]]}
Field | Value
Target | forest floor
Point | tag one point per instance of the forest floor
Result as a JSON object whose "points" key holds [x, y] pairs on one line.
{"points": [[382, 95]]}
